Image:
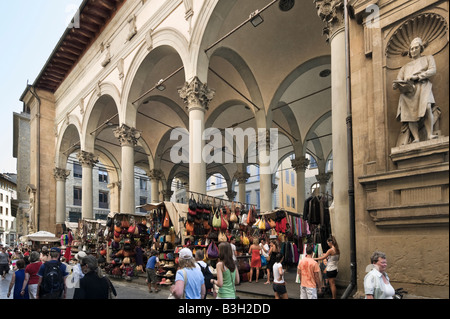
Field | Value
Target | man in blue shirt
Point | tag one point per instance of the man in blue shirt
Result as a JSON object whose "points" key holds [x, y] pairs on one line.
{"points": [[52, 277], [152, 264]]}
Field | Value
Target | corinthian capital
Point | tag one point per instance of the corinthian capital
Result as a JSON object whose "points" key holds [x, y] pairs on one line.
{"points": [[61, 174], [196, 95], [331, 12], [242, 177], [323, 178], [156, 174], [127, 136], [300, 163], [87, 159]]}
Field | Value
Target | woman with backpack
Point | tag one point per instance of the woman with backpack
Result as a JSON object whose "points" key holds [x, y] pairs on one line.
{"points": [[227, 273]]}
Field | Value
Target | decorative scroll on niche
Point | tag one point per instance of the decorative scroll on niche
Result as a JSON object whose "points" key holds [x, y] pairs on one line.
{"points": [[432, 28]]}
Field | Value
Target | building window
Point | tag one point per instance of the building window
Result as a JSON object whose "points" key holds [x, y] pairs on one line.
{"points": [[102, 176], [292, 179], [247, 197], [293, 202], [77, 196], [257, 199], [288, 200], [103, 199], [312, 162], [287, 177], [77, 170], [74, 217], [142, 201], [142, 183], [314, 187]]}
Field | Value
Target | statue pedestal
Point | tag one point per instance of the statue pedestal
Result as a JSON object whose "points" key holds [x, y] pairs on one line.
{"points": [[421, 154], [416, 193]]}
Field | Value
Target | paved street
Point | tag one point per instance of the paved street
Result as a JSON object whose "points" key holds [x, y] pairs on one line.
{"points": [[125, 290]]}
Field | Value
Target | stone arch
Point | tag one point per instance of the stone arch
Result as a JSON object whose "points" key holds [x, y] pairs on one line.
{"points": [[166, 42]]}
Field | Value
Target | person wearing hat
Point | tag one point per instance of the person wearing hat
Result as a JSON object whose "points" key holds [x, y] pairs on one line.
{"points": [[189, 280], [52, 269], [77, 272]]}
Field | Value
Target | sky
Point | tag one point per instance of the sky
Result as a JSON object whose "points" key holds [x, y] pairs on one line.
{"points": [[29, 31]]}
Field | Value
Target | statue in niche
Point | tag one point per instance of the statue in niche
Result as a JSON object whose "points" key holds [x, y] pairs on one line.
{"points": [[416, 102]]}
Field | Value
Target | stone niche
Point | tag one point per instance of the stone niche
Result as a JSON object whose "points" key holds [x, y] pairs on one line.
{"points": [[413, 191], [431, 26]]}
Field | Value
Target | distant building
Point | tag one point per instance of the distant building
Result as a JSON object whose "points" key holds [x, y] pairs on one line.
{"points": [[8, 208]]}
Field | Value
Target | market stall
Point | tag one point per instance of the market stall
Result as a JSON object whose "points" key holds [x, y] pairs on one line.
{"points": [[40, 239]]}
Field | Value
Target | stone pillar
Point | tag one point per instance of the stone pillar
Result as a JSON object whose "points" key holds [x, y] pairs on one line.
{"points": [[332, 14], [300, 165], [87, 161], [155, 176], [196, 96], [128, 138], [61, 175], [114, 197], [242, 178], [265, 192]]}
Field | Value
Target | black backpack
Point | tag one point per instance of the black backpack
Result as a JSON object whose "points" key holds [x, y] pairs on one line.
{"points": [[208, 276], [52, 280]]}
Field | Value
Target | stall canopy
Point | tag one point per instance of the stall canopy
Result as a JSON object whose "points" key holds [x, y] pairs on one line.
{"points": [[175, 210], [43, 236]]}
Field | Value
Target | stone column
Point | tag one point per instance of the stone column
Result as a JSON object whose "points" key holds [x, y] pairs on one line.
{"points": [[242, 178], [114, 197], [87, 161], [332, 14], [61, 175], [300, 165], [155, 176], [265, 192], [128, 138], [196, 96]]}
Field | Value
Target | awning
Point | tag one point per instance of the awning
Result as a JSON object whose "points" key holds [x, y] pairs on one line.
{"points": [[43, 236]]}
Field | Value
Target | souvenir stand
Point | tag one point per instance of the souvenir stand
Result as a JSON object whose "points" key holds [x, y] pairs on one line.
{"points": [[211, 221], [126, 235], [165, 234], [87, 235]]}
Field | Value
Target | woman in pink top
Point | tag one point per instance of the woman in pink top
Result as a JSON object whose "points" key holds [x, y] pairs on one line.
{"points": [[31, 277]]}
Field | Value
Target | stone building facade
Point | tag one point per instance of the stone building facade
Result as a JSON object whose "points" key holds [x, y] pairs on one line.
{"points": [[138, 79]]}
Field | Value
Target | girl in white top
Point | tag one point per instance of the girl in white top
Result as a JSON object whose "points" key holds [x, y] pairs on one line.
{"points": [[332, 256], [279, 285]]}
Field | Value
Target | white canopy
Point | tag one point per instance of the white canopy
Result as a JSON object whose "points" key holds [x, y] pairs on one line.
{"points": [[42, 236]]}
